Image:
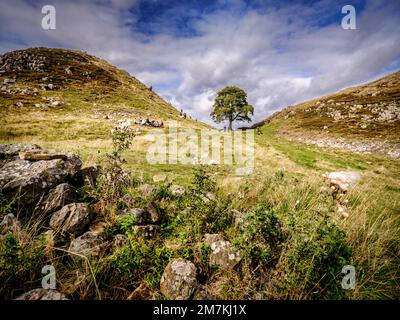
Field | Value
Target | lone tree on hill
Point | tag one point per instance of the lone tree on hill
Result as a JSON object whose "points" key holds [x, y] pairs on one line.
{"points": [[231, 104]]}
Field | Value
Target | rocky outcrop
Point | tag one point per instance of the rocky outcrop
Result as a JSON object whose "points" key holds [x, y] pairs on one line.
{"points": [[42, 294], [177, 190], [179, 280], [30, 180], [72, 219]]}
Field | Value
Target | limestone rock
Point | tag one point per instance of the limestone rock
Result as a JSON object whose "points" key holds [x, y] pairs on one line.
{"points": [[344, 179], [179, 280], [159, 178], [147, 189], [89, 244], [72, 219], [222, 253], [60, 196], [177, 190], [36, 155], [10, 224], [30, 180], [10, 150], [147, 231], [42, 294]]}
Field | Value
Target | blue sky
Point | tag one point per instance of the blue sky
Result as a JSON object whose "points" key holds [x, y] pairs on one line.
{"points": [[280, 52]]}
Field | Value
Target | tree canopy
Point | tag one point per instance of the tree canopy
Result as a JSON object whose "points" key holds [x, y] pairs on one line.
{"points": [[231, 104]]}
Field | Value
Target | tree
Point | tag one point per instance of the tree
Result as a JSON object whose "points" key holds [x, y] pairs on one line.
{"points": [[231, 104]]}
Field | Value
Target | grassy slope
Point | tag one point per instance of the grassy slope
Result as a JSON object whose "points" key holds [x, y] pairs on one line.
{"points": [[372, 229], [309, 118]]}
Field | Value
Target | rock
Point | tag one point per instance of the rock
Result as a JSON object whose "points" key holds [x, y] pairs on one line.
{"points": [[30, 180], [19, 104], [10, 224], [202, 294], [86, 176], [37, 155], [8, 81], [154, 215], [159, 178], [211, 238], [119, 241], [127, 200], [179, 280], [10, 150], [72, 219], [209, 197], [42, 294], [238, 217], [147, 189], [222, 252], [60, 196], [89, 244], [177, 190], [343, 179], [147, 231]]}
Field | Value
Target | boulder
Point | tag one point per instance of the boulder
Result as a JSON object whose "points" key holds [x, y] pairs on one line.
{"points": [[42, 294], [147, 232], [58, 197], [10, 224], [179, 280], [89, 244], [72, 219], [30, 180], [222, 253], [344, 180]]}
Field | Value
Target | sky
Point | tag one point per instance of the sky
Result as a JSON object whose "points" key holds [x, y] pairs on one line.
{"points": [[279, 52]]}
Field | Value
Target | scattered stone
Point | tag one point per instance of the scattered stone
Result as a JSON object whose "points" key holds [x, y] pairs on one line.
{"points": [[10, 224], [222, 252], [238, 217], [60, 196], [159, 178], [147, 189], [42, 294], [343, 179], [72, 219], [179, 280], [177, 190], [89, 244], [147, 232]]}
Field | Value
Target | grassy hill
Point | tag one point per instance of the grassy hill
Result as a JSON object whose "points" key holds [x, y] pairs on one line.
{"points": [[283, 192], [364, 118], [86, 98]]}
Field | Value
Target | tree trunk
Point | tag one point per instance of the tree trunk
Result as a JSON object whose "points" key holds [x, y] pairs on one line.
{"points": [[230, 124]]}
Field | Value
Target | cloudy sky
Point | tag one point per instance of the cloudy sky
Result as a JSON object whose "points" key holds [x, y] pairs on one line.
{"points": [[280, 52]]}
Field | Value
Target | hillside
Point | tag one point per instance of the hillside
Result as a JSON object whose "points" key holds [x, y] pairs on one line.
{"points": [[40, 83], [70, 101], [364, 118]]}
